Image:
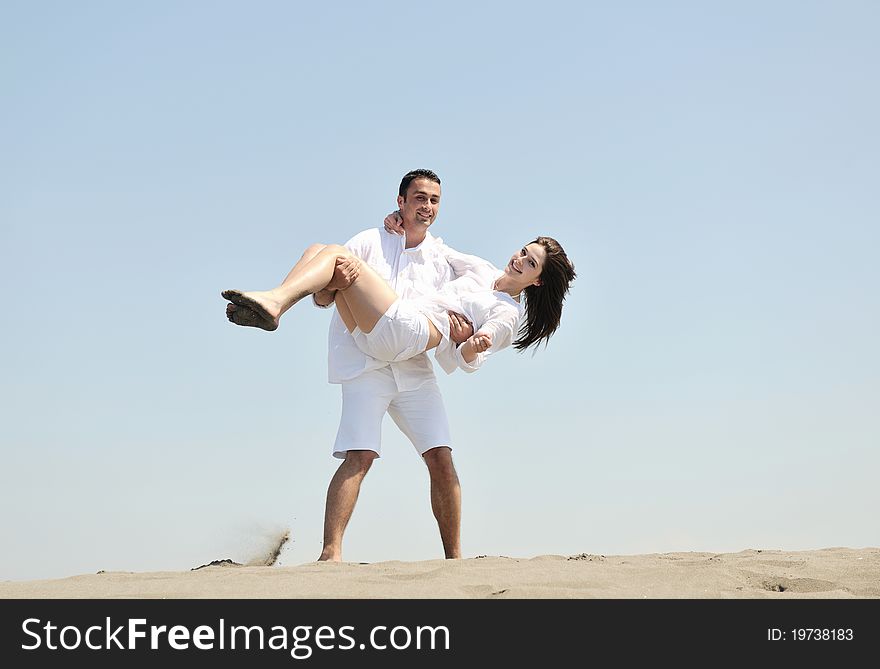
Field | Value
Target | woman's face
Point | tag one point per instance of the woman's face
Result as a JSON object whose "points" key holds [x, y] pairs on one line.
{"points": [[526, 265]]}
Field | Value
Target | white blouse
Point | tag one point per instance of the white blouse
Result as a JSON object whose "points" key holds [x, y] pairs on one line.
{"points": [[493, 312]]}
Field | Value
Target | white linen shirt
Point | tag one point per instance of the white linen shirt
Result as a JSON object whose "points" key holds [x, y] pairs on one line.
{"points": [[472, 294], [412, 273]]}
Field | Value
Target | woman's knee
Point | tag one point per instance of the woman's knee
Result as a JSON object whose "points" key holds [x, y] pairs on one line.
{"points": [[336, 249], [313, 250]]}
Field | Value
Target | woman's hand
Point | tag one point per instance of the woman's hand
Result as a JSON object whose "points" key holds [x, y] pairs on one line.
{"points": [[394, 223], [480, 342]]}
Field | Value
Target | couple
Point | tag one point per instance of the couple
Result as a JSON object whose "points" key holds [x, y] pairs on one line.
{"points": [[396, 298]]}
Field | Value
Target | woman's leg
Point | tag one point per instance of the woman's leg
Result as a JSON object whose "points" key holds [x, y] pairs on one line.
{"points": [[367, 299], [369, 296], [360, 305], [254, 312], [344, 312], [307, 255], [311, 273], [364, 302]]}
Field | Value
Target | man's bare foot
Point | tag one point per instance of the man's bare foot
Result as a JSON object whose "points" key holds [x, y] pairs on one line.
{"points": [[330, 556], [248, 318], [261, 304]]}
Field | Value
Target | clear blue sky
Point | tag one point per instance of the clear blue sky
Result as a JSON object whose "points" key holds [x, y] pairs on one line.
{"points": [[711, 168]]}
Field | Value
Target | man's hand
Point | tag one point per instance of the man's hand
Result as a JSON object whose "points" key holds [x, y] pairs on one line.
{"points": [[460, 328], [344, 274], [394, 223]]}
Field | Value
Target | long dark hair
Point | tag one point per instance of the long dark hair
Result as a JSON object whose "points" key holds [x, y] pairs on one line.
{"points": [[543, 305]]}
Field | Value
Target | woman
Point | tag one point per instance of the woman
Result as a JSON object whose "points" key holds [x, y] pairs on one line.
{"points": [[390, 329]]}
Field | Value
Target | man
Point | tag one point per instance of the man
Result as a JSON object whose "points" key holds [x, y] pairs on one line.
{"points": [[414, 264]]}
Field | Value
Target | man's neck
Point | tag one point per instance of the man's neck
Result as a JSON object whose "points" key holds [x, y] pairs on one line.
{"points": [[414, 238]]}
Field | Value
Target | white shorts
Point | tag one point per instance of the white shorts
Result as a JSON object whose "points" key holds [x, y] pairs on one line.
{"points": [[419, 414], [400, 333]]}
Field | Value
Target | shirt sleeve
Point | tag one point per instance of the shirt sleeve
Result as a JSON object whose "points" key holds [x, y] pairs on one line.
{"points": [[469, 367], [444, 354], [449, 356], [501, 324], [466, 265], [322, 306]]}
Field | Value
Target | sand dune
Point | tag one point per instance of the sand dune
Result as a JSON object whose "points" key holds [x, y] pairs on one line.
{"points": [[830, 573]]}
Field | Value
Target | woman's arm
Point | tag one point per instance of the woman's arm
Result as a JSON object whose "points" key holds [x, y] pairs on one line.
{"points": [[478, 343], [494, 334]]}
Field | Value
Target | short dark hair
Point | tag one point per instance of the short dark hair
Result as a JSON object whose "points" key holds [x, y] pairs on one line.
{"points": [[543, 303], [409, 177]]}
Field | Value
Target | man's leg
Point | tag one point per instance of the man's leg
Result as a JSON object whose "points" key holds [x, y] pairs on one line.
{"points": [[342, 495], [421, 416], [445, 498], [358, 441]]}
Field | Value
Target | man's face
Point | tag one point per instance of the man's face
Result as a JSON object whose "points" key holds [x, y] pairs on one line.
{"points": [[420, 206]]}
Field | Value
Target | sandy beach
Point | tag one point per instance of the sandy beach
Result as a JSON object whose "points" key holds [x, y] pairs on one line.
{"points": [[829, 573]]}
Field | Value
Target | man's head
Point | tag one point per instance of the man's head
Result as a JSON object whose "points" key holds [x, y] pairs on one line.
{"points": [[419, 201]]}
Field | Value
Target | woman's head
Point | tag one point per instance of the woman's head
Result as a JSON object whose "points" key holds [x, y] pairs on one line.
{"points": [[549, 272]]}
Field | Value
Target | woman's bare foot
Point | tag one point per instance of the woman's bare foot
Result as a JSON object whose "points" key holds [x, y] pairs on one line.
{"points": [[248, 318], [261, 304]]}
